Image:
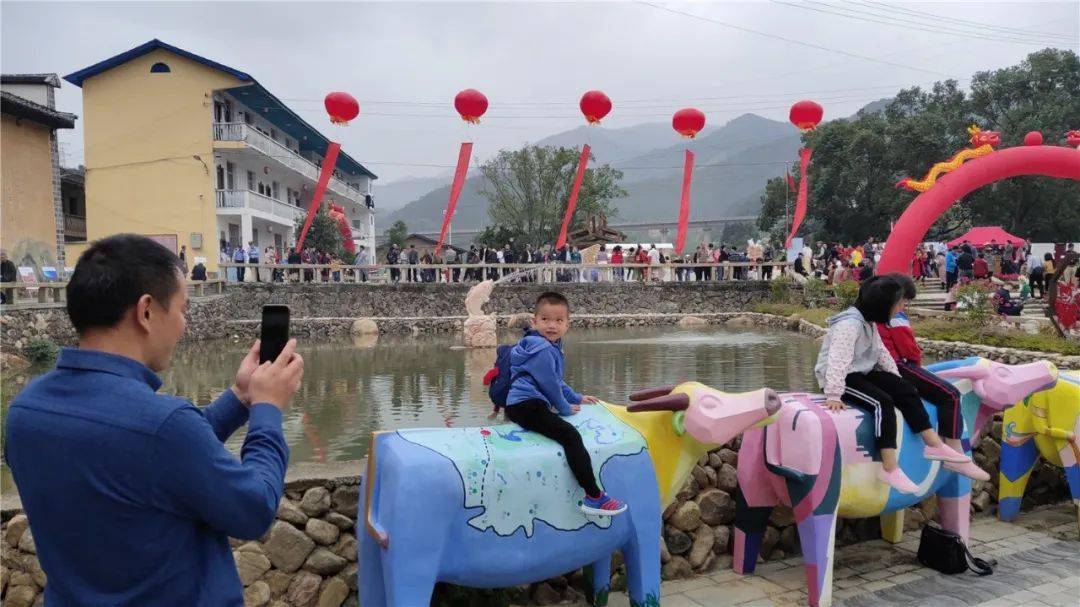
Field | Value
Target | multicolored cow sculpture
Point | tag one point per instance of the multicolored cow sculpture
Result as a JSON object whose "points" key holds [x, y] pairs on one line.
{"points": [[1040, 425], [824, 465], [497, 506]]}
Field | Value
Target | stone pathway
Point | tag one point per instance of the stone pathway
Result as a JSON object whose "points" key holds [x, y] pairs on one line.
{"points": [[1038, 565]]}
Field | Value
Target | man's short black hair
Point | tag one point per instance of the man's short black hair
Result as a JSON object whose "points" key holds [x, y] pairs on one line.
{"points": [[113, 273], [877, 296], [907, 285], [552, 298]]}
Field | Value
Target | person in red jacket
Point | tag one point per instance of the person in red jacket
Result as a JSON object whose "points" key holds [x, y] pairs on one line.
{"points": [[899, 339], [981, 268]]}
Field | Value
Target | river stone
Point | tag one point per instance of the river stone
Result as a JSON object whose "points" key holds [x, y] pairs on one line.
{"points": [[729, 456], [303, 589], [981, 501], [20, 596], [727, 478], [677, 541], [321, 531], [716, 507], [345, 547], [687, 517], [676, 568], [692, 321], [699, 475], [287, 547], [364, 326], [288, 511], [722, 535], [740, 322], [345, 500], [257, 594], [703, 543], [5, 575], [782, 516], [15, 529], [333, 593], [769, 541], [251, 566], [714, 460], [316, 501], [26, 542], [324, 562], [665, 556], [789, 539], [710, 476], [339, 520], [349, 575], [255, 547], [278, 581], [544, 594], [21, 578]]}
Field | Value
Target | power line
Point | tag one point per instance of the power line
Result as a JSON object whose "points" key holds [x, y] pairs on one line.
{"points": [[790, 40], [1006, 29]]}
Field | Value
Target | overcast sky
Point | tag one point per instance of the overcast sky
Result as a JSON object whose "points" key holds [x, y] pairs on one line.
{"points": [[406, 61]]}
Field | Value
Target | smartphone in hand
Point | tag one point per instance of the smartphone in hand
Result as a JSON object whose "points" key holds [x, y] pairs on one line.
{"points": [[275, 332]]}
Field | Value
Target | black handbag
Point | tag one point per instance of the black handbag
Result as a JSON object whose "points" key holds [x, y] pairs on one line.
{"points": [[946, 552]]}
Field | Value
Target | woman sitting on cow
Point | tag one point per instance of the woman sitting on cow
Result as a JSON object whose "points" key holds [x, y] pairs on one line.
{"points": [[854, 367]]}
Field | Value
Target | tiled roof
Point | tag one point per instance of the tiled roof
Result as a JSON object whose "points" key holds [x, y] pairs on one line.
{"points": [[19, 107]]}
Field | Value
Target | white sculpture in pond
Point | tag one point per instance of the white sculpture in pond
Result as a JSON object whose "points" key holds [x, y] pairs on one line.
{"points": [[479, 328]]}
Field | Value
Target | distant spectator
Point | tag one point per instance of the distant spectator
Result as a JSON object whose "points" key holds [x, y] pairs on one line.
{"points": [[980, 268], [198, 272]]}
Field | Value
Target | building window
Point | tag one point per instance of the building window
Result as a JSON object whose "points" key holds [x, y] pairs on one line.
{"points": [[273, 134], [160, 68], [251, 180], [274, 190]]}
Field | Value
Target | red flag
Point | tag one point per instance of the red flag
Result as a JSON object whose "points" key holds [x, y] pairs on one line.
{"points": [[684, 203], [572, 202], [455, 191], [320, 188], [800, 202], [790, 182]]}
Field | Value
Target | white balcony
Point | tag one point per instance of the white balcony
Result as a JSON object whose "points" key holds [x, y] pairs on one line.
{"points": [[235, 201], [238, 131]]}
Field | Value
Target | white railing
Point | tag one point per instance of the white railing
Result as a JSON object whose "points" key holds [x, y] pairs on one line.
{"points": [[239, 131], [246, 199]]}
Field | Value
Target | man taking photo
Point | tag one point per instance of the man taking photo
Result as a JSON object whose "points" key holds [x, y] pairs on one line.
{"points": [[131, 494]]}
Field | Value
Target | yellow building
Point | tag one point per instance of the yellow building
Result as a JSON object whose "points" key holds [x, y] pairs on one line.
{"points": [[31, 214], [197, 154]]}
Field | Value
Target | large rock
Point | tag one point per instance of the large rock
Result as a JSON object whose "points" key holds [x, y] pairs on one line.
{"points": [[722, 536], [677, 541], [665, 556], [716, 507], [338, 520], [251, 566], [333, 593], [769, 541], [279, 582], [789, 539], [714, 460], [703, 544], [740, 322], [692, 321], [687, 517], [729, 456], [20, 596], [345, 500], [316, 501], [33, 567], [303, 589], [26, 542], [288, 511], [364, 326], [727, 478], [782, 516], [676, 568], [699, 475], [321, 531], [349, 575], [15, 529], [257, 594], [345, 547], [545, 594], [324, 562], [288, 547]]}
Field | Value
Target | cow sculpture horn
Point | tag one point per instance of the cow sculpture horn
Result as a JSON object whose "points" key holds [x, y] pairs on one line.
{"points": [[648, 393], [669, 402]]}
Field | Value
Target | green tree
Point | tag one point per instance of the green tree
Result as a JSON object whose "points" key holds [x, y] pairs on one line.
{"points": [[528, 190], [397, 233], [323, 234], [495, 236]]}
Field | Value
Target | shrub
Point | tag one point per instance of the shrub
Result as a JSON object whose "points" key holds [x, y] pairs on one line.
{"points": [[846, 293], [973, 299], [780, 290], [815, 292], [41, 350]]}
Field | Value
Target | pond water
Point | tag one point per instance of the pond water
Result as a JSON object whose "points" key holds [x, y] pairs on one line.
{"points": [[353, 387]]}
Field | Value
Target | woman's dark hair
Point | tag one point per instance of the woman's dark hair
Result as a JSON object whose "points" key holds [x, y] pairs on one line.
{"points": [[113, 273], [907, 285], [877, 296], [1048, 257]]}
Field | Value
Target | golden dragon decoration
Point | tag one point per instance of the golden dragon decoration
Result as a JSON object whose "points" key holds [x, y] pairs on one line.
{"points": [[982, 143]]}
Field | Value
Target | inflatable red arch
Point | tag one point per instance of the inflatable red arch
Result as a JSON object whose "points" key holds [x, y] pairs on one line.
{"points": [[911, 228]]}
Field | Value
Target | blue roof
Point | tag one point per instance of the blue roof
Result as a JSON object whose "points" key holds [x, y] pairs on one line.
{"points": [[253, 94]]}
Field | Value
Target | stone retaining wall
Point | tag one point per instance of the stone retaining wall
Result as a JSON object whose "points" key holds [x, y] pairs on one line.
{"points": [[308, 556]]}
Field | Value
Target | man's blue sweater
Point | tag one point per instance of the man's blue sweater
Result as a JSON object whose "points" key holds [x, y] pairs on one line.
{"points": [[132, 495], [536, 365]]}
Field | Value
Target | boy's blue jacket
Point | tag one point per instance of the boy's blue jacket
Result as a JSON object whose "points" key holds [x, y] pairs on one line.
{"points": [[536, 366]]}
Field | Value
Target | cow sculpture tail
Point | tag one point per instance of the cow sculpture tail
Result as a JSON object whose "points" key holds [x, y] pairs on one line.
{"points": [[371, 494]]}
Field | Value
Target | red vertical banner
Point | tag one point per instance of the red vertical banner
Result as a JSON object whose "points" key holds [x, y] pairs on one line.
{"points": [[320, 189], [571, 204], [455, 191], [800, 201], [684, 203]]}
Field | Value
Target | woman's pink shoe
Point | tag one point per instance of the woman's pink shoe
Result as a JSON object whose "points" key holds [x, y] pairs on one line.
{"points": [[944, 453], [968, 469], [898, 480]]}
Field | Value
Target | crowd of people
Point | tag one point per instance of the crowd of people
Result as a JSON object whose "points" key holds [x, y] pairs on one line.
{"points": [[270, 256]]}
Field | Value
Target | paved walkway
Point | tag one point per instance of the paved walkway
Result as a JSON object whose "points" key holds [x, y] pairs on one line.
{"points": [[1038, 565]]}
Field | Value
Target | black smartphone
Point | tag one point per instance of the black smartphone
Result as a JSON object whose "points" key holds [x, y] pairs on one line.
{"points": [[275, 332]]}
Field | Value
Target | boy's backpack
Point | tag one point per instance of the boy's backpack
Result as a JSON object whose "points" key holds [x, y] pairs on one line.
{"points": [[498, 379]]}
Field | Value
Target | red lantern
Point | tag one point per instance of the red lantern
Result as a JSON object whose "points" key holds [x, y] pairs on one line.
{"points": [[806, 115], [1073, 138], [1033, 138], [688, 122], [595, 105], [342, 107], [471, 104]]}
